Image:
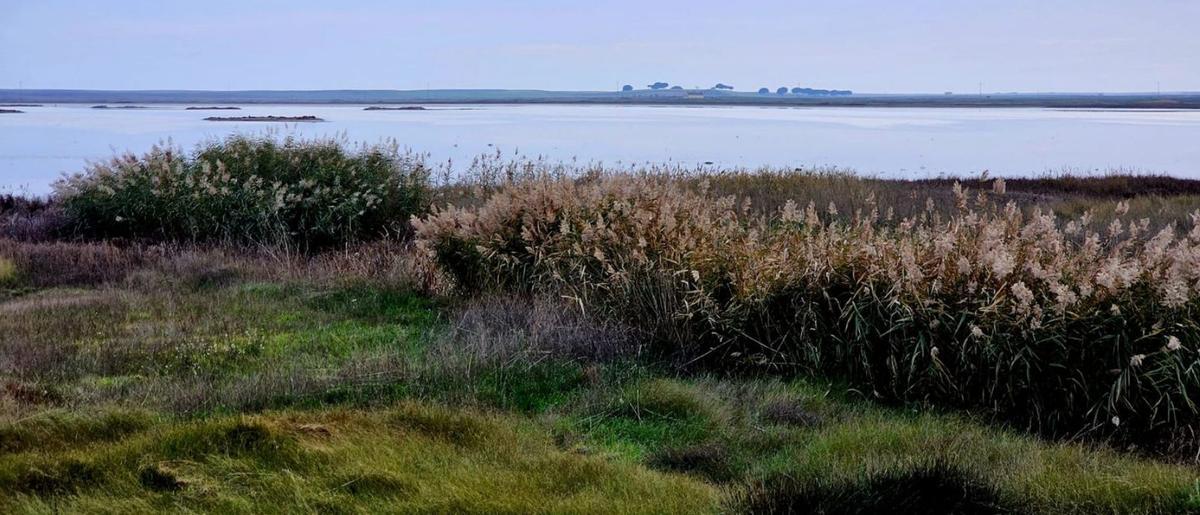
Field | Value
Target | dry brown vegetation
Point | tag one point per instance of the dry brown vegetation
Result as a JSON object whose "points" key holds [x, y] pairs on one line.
{"points": [[1063, 325]]}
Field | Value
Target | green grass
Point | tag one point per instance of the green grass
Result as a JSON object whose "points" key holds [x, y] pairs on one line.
{"points": [[116, 345], [406, 459], [290, 396], [655, 445], [8, 273], [727, 429]]}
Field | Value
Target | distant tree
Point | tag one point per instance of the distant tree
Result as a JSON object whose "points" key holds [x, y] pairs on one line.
{"points": [[627, 87], [782, 90], [676, 87], [764, 91], [658, 85], [821, 92], [722, 86]]}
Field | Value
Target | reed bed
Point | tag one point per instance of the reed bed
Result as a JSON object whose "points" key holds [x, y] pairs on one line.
{"points": [[1065, 326]]}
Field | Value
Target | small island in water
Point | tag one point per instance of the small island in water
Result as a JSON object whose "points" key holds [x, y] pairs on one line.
{"points": [[103, 106], [307, 118], [10, 111], [402, 108], [212, 108]]}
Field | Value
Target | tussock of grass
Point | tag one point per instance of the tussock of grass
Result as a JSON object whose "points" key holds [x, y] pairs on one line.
{"points": [[412, 458], [635, 421], [1048, 478], [848, 458], [61, 429], [937, 489]]}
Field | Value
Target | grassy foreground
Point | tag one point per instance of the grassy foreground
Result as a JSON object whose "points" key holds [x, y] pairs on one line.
{"points": [[257, 393], [409, 458]]}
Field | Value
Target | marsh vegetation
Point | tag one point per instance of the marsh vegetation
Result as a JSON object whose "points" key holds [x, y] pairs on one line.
{"points": [[301, 325]]}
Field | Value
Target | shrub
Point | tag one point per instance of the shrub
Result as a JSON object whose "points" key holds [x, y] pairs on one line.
{"points": [[251, 190], [1059, 325]]}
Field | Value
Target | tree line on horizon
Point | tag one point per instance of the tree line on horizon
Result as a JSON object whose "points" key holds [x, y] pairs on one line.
{"points": [[782, 90]]}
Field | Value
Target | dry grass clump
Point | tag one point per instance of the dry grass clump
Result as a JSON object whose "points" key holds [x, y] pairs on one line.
{"points": [[60, 263], [381, 263], [507, 330], [146, 267], [77, 264], [245, 189], [29, 218], [1060, 324]]}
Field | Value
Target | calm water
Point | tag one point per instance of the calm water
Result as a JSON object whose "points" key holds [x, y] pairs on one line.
{"points": [[39, 145]]}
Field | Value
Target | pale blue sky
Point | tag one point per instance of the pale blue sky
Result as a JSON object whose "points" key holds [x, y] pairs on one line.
{"points": [[864, 45]]}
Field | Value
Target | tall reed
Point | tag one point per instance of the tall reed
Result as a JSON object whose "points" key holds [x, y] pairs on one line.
{"points": [[1061, 325]]}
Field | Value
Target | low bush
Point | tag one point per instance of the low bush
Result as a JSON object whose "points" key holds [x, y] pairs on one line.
{"points": [[249, 190], [1058, 325]]}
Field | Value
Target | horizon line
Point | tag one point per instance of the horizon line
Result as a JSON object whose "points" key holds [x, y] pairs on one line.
{"points": [[754, 91]]}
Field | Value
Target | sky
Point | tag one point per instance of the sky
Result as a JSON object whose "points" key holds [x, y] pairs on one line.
{"points": [[865, 45]]}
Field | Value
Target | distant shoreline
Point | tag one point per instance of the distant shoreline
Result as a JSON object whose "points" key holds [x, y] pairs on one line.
{"points": [[306, 118], [699, 98]]}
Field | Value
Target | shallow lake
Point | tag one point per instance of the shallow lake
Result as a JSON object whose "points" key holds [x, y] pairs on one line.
{"points": [[43, 142]]}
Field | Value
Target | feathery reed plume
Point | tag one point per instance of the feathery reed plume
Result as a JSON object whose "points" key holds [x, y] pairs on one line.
{"points": [[1039, 320]]}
